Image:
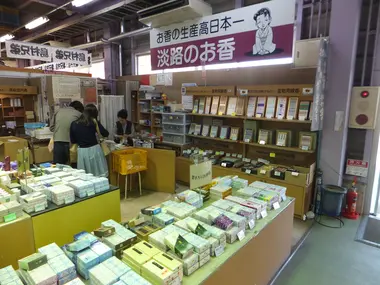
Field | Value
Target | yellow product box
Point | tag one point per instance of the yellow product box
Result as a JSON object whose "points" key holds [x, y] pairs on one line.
{"points": [[158, 273], [134, 257], [170, 262], [147, 248]]}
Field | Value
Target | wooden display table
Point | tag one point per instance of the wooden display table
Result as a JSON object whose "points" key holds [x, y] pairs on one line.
{"points": [[255, 259], [60, 223], [16, 241], [302, 194]]}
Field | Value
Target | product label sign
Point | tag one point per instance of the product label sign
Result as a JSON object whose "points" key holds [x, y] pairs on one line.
{"points": [[241, 235], [10, 217], [256, 32], [283, 197], [251, 224], [357, 167], [219, 250], [276, 206], [200, 174], [264, 214]]}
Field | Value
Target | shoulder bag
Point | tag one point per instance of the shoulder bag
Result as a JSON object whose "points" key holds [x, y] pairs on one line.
{"points": [[103, 144]]}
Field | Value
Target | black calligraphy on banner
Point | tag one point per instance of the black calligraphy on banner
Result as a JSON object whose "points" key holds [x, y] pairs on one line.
{"points": [[39, 51], [223, 50]]}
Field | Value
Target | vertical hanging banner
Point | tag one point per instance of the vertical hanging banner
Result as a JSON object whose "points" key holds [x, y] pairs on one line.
{"points": [[256, 32]]}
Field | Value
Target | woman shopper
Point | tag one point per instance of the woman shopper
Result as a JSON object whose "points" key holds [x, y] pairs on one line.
{"points": [[86, 132]]}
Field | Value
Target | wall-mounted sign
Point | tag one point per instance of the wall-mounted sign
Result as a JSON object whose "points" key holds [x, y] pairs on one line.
{"points": [[25, 50], [357, 167], [200, 174], [18, 90], [256, 32]]}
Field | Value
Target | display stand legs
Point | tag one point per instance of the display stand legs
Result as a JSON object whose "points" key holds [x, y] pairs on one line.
{"points": [[130, 184]]}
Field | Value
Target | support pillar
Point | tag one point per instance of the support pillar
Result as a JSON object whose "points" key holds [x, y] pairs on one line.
{"points": [[111, 57], [344, 29]]}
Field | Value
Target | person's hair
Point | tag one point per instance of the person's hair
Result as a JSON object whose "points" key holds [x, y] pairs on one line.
{"points": [[77, 106], [89, 114], [122, 114], [262, 11]]}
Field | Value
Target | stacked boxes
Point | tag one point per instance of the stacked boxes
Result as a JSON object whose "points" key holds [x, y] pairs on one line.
{"points": [[61, 194], [133, 278], [82, 188], [108, 272], [157, 273], [9, 208], [181, 210], [220, 191], [33, 202], [162, 219], [201, 246], [135, 258], [192, 198], [42, 275], [170, 263], [8, 276], [101, 184]]}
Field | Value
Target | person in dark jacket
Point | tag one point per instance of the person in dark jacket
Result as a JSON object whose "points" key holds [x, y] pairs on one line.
{"points": [[123, 129], [86, 132]]}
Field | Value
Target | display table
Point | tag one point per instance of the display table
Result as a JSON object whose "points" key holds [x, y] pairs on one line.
{"points": [[255, 259], [60, 223], [302, 194], [16, 241]]}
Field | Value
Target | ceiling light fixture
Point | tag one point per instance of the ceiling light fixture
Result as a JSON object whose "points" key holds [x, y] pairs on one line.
{"points": [[78, 3], [6, 37], [36, 23]]}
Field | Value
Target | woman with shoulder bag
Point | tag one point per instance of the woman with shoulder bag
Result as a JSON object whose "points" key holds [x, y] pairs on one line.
{"points": [[85, 133]]}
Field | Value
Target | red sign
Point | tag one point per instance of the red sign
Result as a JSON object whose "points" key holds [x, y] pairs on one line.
{"points": [[357, 167], [256, 32]]}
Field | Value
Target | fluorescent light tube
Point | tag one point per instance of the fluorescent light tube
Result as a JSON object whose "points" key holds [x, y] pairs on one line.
{"points": [[78, 3], [6, 37], [36, 23]]}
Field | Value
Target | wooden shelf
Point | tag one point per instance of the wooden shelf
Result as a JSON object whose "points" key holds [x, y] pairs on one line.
{"points": [[252, 118], [157, 126], [214, 139], [269, 146], [217, 116]]}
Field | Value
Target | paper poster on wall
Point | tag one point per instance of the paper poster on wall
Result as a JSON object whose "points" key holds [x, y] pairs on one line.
{"points": [[256, 32], [66, 87], [200, 174], [187, 102], [357, 167]]}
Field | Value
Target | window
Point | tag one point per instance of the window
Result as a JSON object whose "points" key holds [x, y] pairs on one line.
{"points": [[143, 65]]}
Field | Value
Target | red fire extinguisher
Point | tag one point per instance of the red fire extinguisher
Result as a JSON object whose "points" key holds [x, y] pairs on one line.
{"points": [[351, 199]]}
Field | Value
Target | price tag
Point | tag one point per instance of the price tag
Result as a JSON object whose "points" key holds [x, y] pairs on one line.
{"points": [[272, 154], [234, 155], [10, 217], [304, 147], [295, 174], [276, 206], [224, 164], [251, 224], [219, 250], [277, 173], [201, 152], [220, 113], [91, 193], [258, 115], [217, 153], [228, 154], [248, 171], [240, 156], [222, 153], [246, 160], [283, 197], [194, 111], [263, 171], [39, 207], [233, 114], [247, 141], [264, 214], [262, 142], [241, 235], [69, 200]]}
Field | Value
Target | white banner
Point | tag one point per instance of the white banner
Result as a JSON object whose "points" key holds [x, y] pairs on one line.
{"points": [[52, 66], [24, 50], [281, 12], [68, 55]]}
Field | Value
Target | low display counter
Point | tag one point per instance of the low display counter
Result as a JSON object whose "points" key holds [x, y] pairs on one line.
{"points": [[302, 194], [16, 240], [255, 259], [59, 223]]}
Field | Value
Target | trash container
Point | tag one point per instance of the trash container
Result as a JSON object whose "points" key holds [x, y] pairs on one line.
{"points": [[332, 200]]}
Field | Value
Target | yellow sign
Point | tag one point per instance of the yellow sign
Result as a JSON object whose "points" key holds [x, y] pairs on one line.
{"points": [[200, 174], [272, 154]]}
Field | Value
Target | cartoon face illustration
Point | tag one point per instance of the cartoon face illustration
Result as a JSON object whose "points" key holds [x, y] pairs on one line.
{"points": [[262, 21], [264, 35]]}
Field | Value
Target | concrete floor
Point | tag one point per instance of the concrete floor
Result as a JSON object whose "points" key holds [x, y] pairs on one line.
{"points": [[132, 206], [332, 257]]}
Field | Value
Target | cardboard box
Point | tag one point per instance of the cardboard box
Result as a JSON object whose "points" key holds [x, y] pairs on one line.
{"points": [[9, 146], [304, 176], [41, 154]]}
